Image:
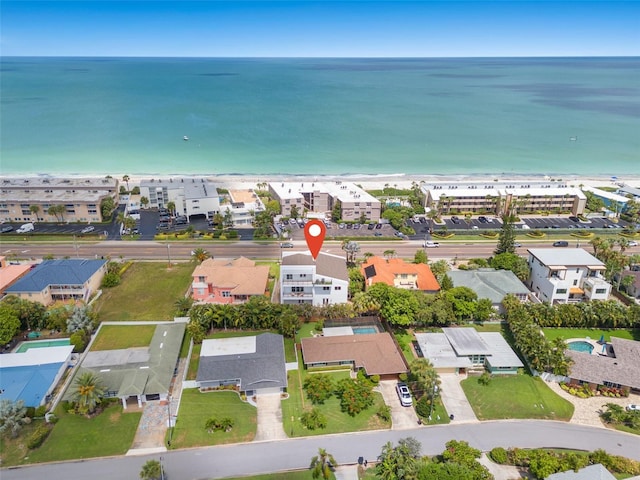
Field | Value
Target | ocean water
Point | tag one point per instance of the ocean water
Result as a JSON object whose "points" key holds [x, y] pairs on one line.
{"points": [[320, 116]]}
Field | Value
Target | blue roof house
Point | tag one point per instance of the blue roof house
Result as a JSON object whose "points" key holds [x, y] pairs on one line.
{"points": [[62, 279]]}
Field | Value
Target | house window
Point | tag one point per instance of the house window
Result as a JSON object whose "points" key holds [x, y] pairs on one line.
{"points": [[326, 289], [338, 288], [601, 291], [297, 289], [226, 294], [561, 291], [201, 279], [575, 282], [289, 276]]}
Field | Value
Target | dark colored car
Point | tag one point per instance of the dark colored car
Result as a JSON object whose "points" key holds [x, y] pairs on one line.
{"points": [[5, 229], [482, 219], [455, 220], [561, 243]]}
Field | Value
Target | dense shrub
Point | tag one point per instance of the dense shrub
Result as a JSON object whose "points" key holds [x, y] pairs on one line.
{"points": [[313, 419], [384, 412], [214, 424], [423, 406], [38, 436], [499, 455]]}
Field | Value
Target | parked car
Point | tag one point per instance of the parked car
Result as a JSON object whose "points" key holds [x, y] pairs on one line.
{"points": [[7, 228], [561, 243], [371, 226], [633, 408], [455, 220], [430, 244], [378, 226], [88, 229], [404, 394], [286, 245], [574, 219], [482, 219], [27, 227], [633, 243]]}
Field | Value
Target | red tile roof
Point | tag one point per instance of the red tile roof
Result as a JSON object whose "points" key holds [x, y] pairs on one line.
{"points": [[386, 271]]}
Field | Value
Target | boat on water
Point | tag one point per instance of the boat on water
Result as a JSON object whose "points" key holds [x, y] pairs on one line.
{"points": [[185, 138]]}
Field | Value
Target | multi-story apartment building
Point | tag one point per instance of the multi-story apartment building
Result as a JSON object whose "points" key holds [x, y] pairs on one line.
{"points": [[323, 197], [243, 205], [519, 197], [561, 275], [324, 281], [191, 196], [30, 199]]}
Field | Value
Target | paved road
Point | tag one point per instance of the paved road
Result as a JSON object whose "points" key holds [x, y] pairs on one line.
{"points": [[262, 457]]}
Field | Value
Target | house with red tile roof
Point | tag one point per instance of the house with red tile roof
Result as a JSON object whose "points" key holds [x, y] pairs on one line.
{"points": [[400, 274], [9, 274], [227, 281]]}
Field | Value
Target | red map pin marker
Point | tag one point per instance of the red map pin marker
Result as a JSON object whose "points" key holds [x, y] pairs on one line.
{"points": [[314, 233]]}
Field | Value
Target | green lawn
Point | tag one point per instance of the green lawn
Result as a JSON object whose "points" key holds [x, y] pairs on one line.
{"points": [[148, 291], [404, 339], [594, 334], [196, 408], [337, 422], [76, 437], [112, 337], [515, 396]]}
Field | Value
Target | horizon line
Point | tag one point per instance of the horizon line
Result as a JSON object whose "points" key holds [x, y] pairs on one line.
{"points": [[323, 57]]}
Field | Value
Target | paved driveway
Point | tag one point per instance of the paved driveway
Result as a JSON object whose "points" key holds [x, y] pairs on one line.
{"points": [[454, 399], [402, 418], [269, 418]]}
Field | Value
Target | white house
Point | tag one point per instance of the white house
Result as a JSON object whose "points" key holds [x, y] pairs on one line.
{"points": [[324, 281], [561, 275], [191, 196]]}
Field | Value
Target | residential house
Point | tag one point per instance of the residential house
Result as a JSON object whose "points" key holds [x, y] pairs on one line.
{"points": [[634, 288], [10, 274], [324, 196], [252, 365], [590, 472], [229, 281], [616, 366], [139, 374], [323, 281], [561, 275], [242, 205], [491, 284], [376, 353], [400, 274], [191, 196], [497, 197], [62, 279], [81, 198], [459, 350]]}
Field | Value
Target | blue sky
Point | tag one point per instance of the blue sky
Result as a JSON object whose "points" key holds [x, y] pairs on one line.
{"points": [[319, 29]]}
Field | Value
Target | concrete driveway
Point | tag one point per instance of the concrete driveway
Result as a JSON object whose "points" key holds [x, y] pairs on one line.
{"points": [[402, 418], [454, 399], [269, 418]]}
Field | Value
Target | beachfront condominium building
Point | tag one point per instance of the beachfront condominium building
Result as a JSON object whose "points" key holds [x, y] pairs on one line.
{"points": [[76, 199], [323, 281], [242, 205], [498, 197], [191, 196], [322, 197], [561, 275]]}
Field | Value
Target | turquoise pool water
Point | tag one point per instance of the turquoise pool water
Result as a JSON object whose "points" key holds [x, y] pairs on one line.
{"points": [[364, 330], [580, 346], [60, 342]]}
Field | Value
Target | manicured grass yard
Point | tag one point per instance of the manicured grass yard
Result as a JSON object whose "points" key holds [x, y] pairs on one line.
{"points": [[75, 436], [112, 337], [337, 421], [148, 291], [594, 334], [196, 408], [515, 396]]}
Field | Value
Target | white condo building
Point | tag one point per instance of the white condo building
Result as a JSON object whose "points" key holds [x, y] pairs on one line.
{"points": [[561, 275], [324, 281], [192, 196], [323, 196]]}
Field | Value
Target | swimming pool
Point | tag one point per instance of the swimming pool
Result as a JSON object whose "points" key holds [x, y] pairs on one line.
{"points": [[580, 346], [59, 342], [364, 330]]}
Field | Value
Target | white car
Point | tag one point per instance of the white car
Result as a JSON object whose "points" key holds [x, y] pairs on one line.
{"points": [[429, 244], [633, 408], [404, 394], [88, 229], [633, 243]]}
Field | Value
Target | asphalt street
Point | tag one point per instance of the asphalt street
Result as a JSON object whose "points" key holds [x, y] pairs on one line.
{"points": [[263, 457]]}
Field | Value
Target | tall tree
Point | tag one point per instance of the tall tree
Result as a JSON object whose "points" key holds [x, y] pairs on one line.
{"points": [[125, 179], [9, 325], [200, 254], [322, 464], [171, 206], [34, 209], [13, 415], [88, 392], [151, 470], [507, 238], [351, 249]]}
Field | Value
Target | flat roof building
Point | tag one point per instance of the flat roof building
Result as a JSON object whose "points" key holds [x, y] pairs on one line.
{"points": [[191, 195]]}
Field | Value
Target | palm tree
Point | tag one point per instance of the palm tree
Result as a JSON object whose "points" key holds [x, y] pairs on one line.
{"points": [[322, 464], [351, 249], [144, 201], [34, 209], [125, 179], [129, 223], [88, 392], [152, 470], [389, 254], [183, 305], [171, 206], [200, 254]]}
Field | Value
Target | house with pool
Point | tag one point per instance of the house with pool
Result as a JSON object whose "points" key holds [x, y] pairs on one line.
{"points": [[464, 350], [615, 364]]}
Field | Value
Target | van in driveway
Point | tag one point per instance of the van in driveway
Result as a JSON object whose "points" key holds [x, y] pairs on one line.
{"points": [[27, 227]]}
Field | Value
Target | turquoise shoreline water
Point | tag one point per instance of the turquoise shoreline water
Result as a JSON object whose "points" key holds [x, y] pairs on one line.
{"points": [[553, 116]]}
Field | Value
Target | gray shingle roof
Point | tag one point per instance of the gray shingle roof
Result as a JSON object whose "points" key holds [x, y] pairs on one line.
{"points": [[264, 368], [57, 272], [489, 283], [592, 472]]}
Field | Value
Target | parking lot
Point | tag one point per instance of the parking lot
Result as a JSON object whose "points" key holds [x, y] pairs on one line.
{"points": [[379, 230]]}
